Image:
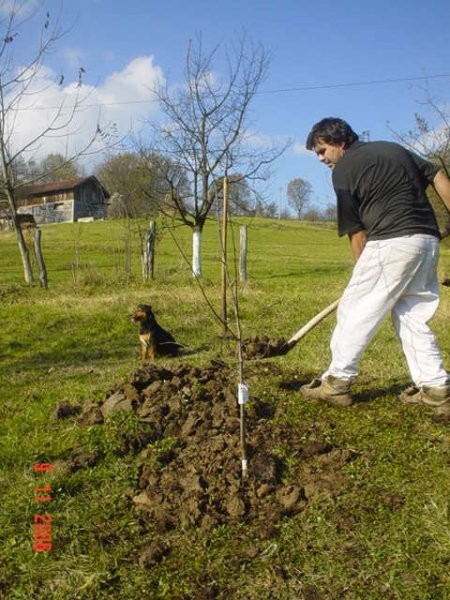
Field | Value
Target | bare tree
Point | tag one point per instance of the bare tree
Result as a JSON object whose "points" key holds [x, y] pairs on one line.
{"points": [[299, 193], [18, 85], [206, 134], [430, 137]]}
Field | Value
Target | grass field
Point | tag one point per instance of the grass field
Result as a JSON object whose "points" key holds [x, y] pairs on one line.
{"points": [[385, 534]]}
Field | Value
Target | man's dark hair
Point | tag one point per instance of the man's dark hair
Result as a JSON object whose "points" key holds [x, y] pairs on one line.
{"points": [[331, 130]]}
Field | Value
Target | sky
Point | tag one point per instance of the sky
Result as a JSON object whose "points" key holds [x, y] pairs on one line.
{"points": [[370, 63]]}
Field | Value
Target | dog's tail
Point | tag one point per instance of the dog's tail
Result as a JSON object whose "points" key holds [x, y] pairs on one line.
{"points": [[177, 344]]}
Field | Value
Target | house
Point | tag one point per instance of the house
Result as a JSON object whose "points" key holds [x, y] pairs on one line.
{"points": [[68, 200]]}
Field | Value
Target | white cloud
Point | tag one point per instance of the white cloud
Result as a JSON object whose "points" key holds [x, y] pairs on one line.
{"points": [[300, 149], [124, 99], [73, 57], [258, 140], [134, 83]]}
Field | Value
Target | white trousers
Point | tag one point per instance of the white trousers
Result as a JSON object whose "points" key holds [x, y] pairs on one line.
{"points": [[398, 276]]}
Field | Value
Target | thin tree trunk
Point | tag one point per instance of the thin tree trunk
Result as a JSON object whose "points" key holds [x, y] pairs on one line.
{"points": [[24, 253], [224, 255], [23, 248], [243, 253], [196, 252]]}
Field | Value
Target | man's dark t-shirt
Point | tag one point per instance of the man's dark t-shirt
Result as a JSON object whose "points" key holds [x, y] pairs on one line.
{"points": [[380, 187]]}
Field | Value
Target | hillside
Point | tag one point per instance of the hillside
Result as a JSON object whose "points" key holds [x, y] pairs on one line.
{"points": [[124, 481]]}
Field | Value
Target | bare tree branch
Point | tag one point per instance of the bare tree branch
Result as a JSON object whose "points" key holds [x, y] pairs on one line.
{"points": [[18, 87], [207, 131], [430, 137]]}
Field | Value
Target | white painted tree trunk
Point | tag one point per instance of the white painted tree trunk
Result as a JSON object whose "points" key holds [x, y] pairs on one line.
{"points": [[196, 252]]}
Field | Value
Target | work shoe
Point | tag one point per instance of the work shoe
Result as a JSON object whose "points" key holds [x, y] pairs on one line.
{"points": [[436, 398], [331, 390]]}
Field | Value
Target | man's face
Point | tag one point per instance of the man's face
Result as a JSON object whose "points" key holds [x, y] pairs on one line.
{"points": [[329, 154]]}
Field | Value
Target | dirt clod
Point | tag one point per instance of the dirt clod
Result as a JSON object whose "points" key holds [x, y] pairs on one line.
{"points": [[91, 415], [263, 347], [153, 554], [64, 410]]}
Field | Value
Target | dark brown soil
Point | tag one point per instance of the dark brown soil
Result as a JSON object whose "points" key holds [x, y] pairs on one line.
{"points": [[263, 347], [190, 474]]}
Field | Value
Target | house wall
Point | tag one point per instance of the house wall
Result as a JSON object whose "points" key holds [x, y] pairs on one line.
{"points": [[48, 198], [89, 202], [50, 212]]}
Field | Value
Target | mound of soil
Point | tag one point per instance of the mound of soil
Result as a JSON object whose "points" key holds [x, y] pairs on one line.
{"points": [[263, 347], [190, 464]]}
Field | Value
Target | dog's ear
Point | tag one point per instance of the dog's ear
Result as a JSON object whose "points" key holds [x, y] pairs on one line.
{"points": [[145, 308]]}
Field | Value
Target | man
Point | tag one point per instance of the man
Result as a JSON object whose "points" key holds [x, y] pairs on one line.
{"points": [[383, 208]]}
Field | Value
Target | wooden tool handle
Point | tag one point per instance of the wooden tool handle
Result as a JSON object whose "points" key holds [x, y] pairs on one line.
{"points": [[312, 323]]}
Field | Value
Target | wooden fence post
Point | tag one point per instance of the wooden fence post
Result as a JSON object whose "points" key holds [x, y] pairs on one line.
{"points": [[40, 258], [243, 253], [148, 259]]}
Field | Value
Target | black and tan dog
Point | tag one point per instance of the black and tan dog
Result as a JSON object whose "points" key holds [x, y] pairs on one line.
{"points": [[155, 341]]}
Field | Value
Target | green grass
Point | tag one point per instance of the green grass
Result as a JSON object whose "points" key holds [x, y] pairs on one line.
{"points": [[386, 535]]}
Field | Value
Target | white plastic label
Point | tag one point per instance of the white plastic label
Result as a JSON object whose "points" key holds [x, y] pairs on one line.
{"points": [[242, 393]]}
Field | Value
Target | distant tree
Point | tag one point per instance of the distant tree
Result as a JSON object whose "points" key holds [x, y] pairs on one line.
{"points": [[313, 214], [169, 189], [129, 178], [330, 212], [266, 209], [25, 170], [241, 198], [19, 83], [55, 167], [299, 193], [206, 133]]}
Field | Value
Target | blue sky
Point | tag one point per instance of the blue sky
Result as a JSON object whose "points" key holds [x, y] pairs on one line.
{"points": [[323, 57]]}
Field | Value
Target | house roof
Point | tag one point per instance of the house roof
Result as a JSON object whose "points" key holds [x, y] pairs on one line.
{"points": [[63, 185]]}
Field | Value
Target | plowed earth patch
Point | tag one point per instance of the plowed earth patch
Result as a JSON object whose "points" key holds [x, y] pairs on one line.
{"points": [[190, 475]]}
